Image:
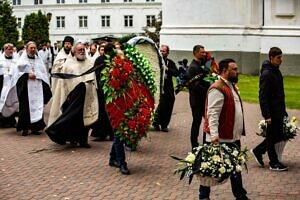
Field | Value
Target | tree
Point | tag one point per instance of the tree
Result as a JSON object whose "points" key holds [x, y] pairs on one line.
{"points": [[8, 24], [36, 28], [154, 35]]}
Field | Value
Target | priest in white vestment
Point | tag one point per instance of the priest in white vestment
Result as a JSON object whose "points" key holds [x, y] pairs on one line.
{"points": [[32, 83], [75, 104], [9, 104], [60, 59]]}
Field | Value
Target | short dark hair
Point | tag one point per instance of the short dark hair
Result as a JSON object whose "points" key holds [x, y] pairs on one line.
{"points": [[109, 47], [223, 64], [197, 47], [274, 51]]}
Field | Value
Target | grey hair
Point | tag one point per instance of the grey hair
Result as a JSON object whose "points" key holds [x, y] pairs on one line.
{"points": [[5, 46], [29, 43]]}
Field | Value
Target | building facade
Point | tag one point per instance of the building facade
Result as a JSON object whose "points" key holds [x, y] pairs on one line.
{"points": [[243, 30], [90, 19]]}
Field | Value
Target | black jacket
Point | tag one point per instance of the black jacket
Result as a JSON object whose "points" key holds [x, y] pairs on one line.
{"points": [[197, 88], [271, 92], [168, 84]]}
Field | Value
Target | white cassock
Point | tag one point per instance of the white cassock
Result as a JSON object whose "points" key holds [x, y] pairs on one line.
{"points": [[8, 98], [35, 87]]}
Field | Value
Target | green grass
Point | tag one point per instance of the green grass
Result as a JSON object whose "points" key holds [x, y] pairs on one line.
{"points": [[248, 86]]}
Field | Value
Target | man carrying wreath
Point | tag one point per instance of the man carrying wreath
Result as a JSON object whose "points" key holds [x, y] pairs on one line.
{"points": [[224, 120]]}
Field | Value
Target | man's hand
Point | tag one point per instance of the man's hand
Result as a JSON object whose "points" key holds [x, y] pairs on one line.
{"points": [[215, 140], [268, 121], [31, 76]]}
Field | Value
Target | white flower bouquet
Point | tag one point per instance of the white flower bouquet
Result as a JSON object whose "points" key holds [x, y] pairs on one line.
{"points": [[213, 164], [289, 128]]}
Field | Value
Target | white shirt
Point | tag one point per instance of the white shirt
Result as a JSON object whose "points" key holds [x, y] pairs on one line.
{"points": [[214, 108]]}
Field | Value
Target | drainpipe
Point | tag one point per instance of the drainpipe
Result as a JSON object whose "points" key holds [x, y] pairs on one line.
{"points": [[263, 13]]}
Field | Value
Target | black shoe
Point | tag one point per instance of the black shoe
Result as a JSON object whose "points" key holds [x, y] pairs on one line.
{"points": [[258, 158], [165, 129], [124, 170], [85, 145], [36, 132], [25, 133], [114, 163], [278, 167], [156, 127]]}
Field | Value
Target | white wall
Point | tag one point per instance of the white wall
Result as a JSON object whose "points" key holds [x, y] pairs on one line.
{"points": [[232, 25], [93, 9]]}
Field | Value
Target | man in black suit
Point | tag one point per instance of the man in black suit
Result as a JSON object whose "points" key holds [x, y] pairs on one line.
{"points": [[164, 109], [197, 90]]}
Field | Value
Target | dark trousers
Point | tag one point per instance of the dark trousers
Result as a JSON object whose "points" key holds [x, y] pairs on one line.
{"points": [[274, 135], [197, 113], [236, 184], [164, 110], [117, 151]]}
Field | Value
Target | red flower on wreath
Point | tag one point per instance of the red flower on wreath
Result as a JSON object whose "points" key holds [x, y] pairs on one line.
{"points": [[115, 84], [131, 124], [115, 72]]}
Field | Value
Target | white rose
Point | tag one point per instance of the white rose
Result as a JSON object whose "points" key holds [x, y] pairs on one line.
{"points": [[204, 165], [190, 158], [235, 153], [216, 158], [238, 168], [222, 170], [227, 161]]}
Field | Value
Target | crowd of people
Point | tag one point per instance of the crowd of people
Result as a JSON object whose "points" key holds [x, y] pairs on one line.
{"points": [[30, 79]]}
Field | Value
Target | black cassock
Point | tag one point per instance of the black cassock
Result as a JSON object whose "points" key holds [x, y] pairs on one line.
{"points": [[24, 114], [69, 126]]}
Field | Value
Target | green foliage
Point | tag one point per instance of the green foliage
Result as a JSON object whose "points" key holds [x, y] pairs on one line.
{"points": [[248, 86], [8, 24], [36, 28], [125, 38]]}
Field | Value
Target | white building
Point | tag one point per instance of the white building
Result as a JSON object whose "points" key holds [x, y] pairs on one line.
{"points": [[89, 19], [240, 29]]}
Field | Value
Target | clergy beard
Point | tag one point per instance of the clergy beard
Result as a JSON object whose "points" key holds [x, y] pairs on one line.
{"points": [[67, 51], [32, 56], [80, 57], [234, 79]]}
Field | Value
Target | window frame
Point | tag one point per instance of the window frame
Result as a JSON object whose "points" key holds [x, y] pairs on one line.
{"points": [[128, 21], [61, 20], [83, 21]]}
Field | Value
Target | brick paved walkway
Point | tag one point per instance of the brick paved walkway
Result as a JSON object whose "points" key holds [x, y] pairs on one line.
{"points": [[33, 167]]}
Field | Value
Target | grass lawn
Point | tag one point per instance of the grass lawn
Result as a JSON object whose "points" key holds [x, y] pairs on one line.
{"points": [[248, 86]]}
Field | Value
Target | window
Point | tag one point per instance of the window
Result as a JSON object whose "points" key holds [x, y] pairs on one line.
{"points": [[83, 21], [104, 1], [128, 20], [150, 20], [105, 21], [16, 2], [60, 22], [60, 1], [19, 22], [127, 0], [82, 1], [36, 2]]}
